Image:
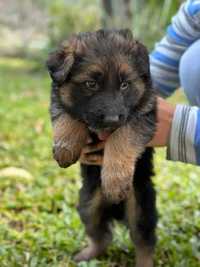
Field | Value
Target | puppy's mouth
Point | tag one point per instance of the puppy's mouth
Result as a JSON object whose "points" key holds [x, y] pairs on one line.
{"points": [[102, 134]]}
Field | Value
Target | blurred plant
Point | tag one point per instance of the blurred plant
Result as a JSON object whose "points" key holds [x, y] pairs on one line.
{"points": [[152, 17], [67, 17], [117, 13], [167, 8], [30, 27]]}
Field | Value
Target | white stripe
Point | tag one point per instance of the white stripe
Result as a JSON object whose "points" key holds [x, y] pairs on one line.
{"points": [[158, 71], [174, 134], [170, 52], [162, 63], [189, 27], [190, 135], [167, 41], [160, 79], [184, 29], [176, 47], [170, 84]]}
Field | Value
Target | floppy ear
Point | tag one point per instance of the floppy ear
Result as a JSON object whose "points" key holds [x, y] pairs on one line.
{"points": [[60, 63]]}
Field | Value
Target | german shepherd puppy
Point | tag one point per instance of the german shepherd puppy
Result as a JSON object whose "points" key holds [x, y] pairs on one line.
{"points": [[101, 84]]}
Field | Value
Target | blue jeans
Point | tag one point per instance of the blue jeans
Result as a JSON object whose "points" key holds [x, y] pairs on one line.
{"points": [[189, 72]]}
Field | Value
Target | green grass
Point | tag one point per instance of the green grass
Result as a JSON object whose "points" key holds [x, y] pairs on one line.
{"points": [[39, 225]]}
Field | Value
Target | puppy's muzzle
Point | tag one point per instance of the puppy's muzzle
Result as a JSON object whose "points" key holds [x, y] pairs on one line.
{"points": [[112, 121]]}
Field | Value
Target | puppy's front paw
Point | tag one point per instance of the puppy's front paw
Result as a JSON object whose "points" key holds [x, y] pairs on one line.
{"points": [[69, 138], [65, 156], [116, 182], [120, 155]]}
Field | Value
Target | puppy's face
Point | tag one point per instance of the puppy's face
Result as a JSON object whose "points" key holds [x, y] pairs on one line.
{"points": [[101, 77]]}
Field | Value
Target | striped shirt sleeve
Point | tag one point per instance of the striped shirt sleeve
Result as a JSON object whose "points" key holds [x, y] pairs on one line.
{"points": [[184, 141], [164, 60]]}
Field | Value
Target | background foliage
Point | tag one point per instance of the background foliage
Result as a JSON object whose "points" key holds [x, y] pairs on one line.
{"points": [[67, 18], [30, 28], [39, 225]]}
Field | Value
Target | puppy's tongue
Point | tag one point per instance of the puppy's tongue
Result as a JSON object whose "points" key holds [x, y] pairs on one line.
{"points": [[103, 135]]}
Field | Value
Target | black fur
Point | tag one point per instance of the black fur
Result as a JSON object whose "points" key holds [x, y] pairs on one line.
{"points": [[145, 196]]}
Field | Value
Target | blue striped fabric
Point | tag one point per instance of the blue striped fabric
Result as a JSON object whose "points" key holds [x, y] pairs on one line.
{"points": [[178, 38], [164, 90], [184, 134], [193, 7], [183, 31], [197, 138], [193, 10], [165, 59]]}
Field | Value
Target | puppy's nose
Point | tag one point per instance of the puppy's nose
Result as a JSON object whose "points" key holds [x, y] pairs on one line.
{"points": [[111, 119]]}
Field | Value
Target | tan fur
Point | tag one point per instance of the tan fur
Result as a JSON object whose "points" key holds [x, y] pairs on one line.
{"points": [[65, 94], [94, 248], [131, 211], [95, 205], [139, 84], [133, 75], [69, 137], [144, 256], [120, 155], [85, 74], [73, 45], [125, 68]]}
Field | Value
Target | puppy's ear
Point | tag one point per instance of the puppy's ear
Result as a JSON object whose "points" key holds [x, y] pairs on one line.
{"points": [[141, 59], [60, 63]]}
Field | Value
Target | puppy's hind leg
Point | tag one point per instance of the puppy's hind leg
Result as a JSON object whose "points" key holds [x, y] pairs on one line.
{"points": [[141, 233], [96, 219], [141, 211], [93, 250]]}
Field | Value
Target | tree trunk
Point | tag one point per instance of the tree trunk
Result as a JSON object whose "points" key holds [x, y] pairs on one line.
{"points": [[117, 13]]}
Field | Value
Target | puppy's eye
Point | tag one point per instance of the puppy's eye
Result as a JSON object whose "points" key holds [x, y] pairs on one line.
{"points": [[124, 86], [91, 85]]}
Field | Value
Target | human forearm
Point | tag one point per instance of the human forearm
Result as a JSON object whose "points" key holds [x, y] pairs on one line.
{"points": [[164, 117], [184, 140], [178, 129]]}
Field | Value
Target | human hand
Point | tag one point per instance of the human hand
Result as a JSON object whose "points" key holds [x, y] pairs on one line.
{"points": [[165, 112], [92, 154]]}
